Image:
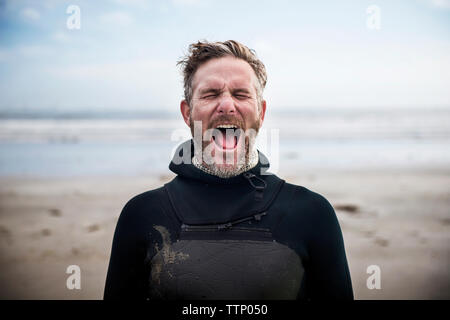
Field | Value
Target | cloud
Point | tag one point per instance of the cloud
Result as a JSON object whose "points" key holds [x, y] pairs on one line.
{"points": [[138, 82], [33, 51], [441, 3], [30, 14], [4, 55], [138, 70], [60, 36], [187, 2], [142, 4], [117, 18]]}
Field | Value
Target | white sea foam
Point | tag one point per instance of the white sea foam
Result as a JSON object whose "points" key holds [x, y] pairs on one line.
{"points": [[308, 138]]}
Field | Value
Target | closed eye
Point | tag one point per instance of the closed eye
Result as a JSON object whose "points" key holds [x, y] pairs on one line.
{"points": [[242, 96], [209, 96]]}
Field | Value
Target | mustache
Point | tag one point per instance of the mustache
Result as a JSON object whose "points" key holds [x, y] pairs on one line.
{"points": [[226, 119]]}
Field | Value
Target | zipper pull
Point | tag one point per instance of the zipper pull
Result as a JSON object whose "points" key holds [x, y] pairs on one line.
{"points": [[257, 217], [224, 226], [259, 189]]}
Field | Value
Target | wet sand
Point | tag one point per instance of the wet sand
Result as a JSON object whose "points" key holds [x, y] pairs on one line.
{"points": [[399, 221]]}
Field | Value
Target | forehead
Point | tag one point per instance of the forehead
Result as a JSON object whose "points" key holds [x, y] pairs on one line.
{"points": [[227, 71]]}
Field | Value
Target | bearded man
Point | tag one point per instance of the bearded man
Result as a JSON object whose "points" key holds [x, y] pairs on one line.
{"points": [[224, 228]]}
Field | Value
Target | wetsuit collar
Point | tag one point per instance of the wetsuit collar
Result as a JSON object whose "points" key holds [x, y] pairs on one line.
{"points": [[201, 198], [188, 170]]}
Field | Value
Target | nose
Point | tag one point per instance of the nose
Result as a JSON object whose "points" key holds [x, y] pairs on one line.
{"points": [[226, 105]]}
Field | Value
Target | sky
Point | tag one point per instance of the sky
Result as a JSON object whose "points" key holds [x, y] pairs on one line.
{"points": [[317, 53]]}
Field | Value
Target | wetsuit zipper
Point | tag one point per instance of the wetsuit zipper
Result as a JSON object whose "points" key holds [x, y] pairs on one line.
{"points": [[224, 226]]}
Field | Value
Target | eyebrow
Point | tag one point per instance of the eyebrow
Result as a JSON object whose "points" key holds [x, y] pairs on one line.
{"points": [[241, 90], [209, 90], [217, 90]]}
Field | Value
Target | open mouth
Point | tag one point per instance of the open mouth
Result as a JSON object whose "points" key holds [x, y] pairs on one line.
{"points": [[227, 136]]}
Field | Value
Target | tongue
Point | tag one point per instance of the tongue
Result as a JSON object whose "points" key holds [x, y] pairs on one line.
{"points": [[227, 140]]}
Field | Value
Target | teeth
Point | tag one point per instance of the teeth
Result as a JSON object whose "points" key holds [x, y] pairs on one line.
{"points": [[226, 126]]}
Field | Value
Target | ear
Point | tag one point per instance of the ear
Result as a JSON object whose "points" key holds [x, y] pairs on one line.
{"points": [[263, 111], [185, 112]]}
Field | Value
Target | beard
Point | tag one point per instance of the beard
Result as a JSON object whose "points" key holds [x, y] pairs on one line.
{"points": [[242, 161]]}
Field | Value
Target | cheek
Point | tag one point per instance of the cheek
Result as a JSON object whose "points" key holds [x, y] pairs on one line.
{"points": [[251, 113], [201, 117]]}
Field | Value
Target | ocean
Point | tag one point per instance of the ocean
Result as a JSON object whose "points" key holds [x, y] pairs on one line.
{"points": [[134, 143]]}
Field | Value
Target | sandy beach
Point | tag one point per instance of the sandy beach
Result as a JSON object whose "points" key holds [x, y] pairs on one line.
{"points": [[399, 221]]}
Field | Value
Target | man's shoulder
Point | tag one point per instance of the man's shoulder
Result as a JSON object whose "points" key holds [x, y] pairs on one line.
{"points": [[147, 208], [302, 199], [302, 193], [145, 203], [146, 196]]}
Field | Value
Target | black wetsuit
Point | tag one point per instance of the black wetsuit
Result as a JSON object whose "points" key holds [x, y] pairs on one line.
{"points": [[251, 236]]}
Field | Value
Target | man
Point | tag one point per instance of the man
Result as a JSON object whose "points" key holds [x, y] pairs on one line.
{"points": [[224, 228]]}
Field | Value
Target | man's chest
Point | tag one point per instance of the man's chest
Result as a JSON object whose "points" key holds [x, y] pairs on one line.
{"points": [[239, 263]]}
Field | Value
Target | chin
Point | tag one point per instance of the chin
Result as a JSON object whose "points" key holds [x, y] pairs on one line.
{"points": [[225, 171]]}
